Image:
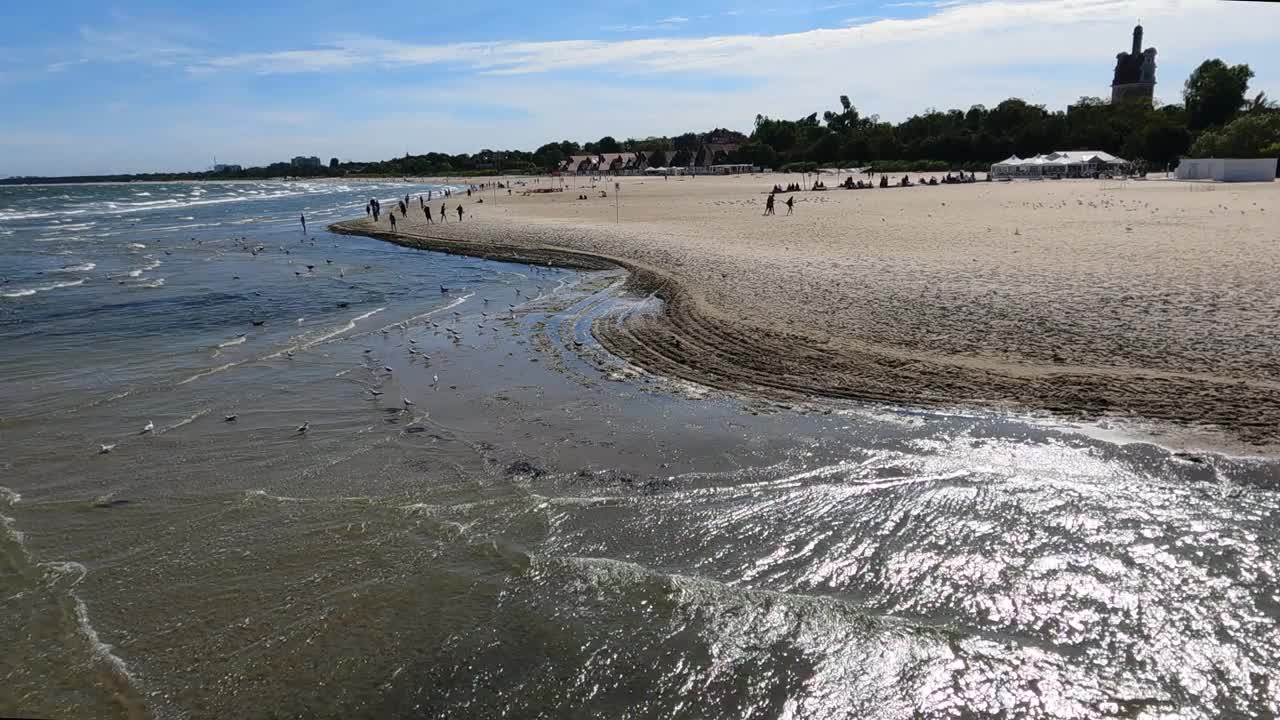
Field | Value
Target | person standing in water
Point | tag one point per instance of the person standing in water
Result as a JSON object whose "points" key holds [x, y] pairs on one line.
{"points": [[304, 223]]}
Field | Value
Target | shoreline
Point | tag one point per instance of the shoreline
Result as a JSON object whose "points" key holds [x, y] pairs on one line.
{"points": [[695, 339]]}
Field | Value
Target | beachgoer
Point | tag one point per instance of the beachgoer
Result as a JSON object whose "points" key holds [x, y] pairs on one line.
{"points": [[459, 212], [304, 224], [444, 216], [791, 205], [768, 205], [427, 210], [392, 217]]}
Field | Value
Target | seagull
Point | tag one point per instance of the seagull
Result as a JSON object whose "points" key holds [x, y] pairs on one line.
{"points": [[104, 449], [148, 428], [444, 290], [375, 393], [435, 379], [289, 353], [230, 418], [412, 341], [304, 427], [388, 368], [407, 402]]}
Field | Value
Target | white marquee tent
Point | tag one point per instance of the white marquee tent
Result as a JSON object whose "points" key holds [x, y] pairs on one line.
{"points": [[1072, 163]]}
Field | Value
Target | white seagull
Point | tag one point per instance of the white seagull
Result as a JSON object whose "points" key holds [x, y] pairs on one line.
{"points": [[104, 449], [304, 427], [148, 428], [407, 402]]}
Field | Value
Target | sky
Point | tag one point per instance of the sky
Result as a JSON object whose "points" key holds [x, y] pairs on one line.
{"points": [[93, 87]]}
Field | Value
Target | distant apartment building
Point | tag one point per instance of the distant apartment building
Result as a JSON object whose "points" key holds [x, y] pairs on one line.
{"points": [[225, 168], [305, 162]]}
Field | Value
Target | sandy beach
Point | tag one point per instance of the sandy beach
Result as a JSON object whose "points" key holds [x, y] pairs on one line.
{"points": [[1150, 299]]}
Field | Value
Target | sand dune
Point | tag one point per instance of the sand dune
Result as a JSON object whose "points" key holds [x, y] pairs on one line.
{"points": [[1150, 299]]}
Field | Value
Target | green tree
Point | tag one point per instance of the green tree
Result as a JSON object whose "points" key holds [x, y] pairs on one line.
{"points": [[1214, 93], [608, 145], [1248, 136]]}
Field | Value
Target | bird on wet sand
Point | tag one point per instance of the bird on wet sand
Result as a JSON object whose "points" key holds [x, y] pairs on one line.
{"points": [[304, 427], [104, 449], [147, 428], [230, 418]]}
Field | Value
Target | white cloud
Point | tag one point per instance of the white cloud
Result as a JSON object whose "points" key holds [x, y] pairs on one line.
{"points": [[987, 33]]}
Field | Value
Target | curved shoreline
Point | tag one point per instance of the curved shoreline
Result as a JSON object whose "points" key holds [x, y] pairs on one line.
{"points": [[693, 342]]}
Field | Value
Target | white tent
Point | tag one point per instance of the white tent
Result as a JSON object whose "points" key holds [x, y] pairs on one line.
{"points": [[1074, 163]]}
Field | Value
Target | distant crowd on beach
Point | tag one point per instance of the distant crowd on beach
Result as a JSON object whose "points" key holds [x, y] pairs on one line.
{"points": [[373, 208], [849, 183]]}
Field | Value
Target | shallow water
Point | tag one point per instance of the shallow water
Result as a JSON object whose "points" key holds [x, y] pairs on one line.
{"points": [[546, 531]]}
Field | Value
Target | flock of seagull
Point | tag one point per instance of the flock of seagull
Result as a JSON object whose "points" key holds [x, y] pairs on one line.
{"points": [[255, 249]]}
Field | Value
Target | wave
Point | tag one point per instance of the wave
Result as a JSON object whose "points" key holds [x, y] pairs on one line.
{"points": [[82, 267], [331, 334], [185, 421], [136, 246], [238, 341], [98, 649], [28, 292]]}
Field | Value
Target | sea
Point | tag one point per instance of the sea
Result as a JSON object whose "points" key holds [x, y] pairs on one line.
{"points": [[248, 470]]}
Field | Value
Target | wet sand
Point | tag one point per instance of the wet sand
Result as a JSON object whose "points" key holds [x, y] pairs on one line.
{"points": [[1152, 300]]}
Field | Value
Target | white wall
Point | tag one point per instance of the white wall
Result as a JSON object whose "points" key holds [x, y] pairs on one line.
{"points": [[1227, 169]]}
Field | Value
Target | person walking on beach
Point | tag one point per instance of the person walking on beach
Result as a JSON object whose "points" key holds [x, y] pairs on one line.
{"points": [[791, 206], [768, 205], [392, 217], [427, 210], [444, 216], [459, 212], [304, 223]]}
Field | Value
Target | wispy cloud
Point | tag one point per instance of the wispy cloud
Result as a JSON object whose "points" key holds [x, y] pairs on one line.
{"points": [[1030, 31], [667, 23]]}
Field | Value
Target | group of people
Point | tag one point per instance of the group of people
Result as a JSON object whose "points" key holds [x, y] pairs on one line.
{"points": [[791, 187], [769, 209], [374, 209]]}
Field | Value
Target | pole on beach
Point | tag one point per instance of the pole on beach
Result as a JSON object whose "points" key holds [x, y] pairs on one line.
{"points": [[617, 209]]}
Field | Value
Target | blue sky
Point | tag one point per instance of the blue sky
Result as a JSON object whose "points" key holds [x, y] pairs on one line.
{"points": [[97, 87]]}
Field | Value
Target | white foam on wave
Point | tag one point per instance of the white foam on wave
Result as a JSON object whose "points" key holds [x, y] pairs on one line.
{"points": [[238, 341], [136, 246], [328, 335], [157, 283], [28, 292], [81, 267], [98, 649], [9, 498], [185, 421]]}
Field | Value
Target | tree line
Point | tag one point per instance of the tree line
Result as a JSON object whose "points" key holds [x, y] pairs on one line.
{"points": [[1217, 118]]}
